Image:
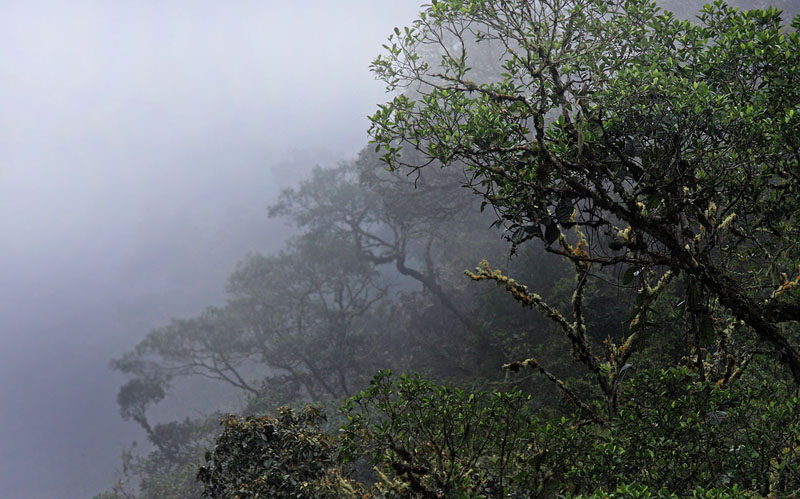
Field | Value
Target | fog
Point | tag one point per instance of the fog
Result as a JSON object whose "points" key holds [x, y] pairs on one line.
{"points": [[140, 143]]}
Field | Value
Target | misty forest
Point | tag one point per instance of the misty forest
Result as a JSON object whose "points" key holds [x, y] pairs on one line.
{"points": [[565, 263]]}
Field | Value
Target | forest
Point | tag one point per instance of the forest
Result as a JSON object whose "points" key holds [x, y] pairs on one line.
{"points": [[567, 264]]}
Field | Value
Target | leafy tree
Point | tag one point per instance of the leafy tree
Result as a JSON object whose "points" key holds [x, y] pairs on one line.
{"points": [[405, 226], [437, 441], [674, 436], [315, 320], [287, 456], [295, 327], [669, 147], [135, 396], [306, 310], [418, 230], [292, 318], [676, 431]]}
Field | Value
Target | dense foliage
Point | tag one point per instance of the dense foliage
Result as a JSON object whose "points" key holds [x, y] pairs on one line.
{"points": [[288, 456], [667, 146], [655, 162], [674, 436]]}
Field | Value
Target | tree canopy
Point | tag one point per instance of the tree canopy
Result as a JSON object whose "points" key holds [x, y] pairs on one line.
{"points": [[669, 146]]}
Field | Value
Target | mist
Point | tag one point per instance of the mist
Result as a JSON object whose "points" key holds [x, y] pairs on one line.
{"points": [[140, 143]]}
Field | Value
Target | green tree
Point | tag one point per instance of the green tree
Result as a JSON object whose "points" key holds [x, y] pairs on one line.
{"points": [[403, 225], [438, 441], [287, 456], [293, 326], [669, 147], [420, 232]]}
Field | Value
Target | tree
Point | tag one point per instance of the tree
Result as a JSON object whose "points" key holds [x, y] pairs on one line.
{"points": [[287, 456], [308, 310], [438, 441], [669, 147], [390, 218], [373, 281], [415, 230], [293, 328]]}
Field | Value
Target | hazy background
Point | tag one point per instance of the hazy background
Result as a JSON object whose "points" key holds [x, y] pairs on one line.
{"points": [[140, 142]]}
